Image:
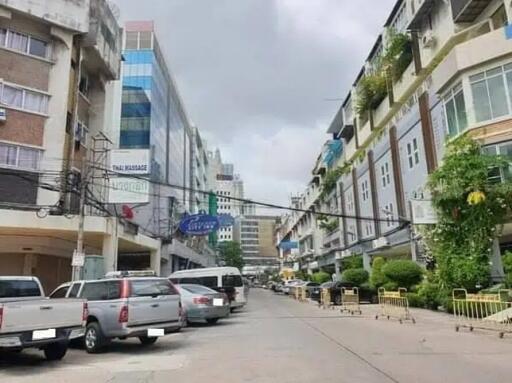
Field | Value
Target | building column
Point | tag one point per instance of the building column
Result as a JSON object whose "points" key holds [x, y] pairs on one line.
{"points": [[367, 260], [29, 264], [337, 268], [497, 272], [109, 251], [155, 260]]}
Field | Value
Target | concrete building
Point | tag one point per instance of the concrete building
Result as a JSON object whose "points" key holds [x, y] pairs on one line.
{"points": [[57, 60], [454, 79], [257, 237], [199, 165], [226, 185]]}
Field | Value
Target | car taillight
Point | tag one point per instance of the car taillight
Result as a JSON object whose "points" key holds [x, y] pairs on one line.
{"points": [[85, 312], [201, 301], [1, 316], [125, 288], [123, 314]]}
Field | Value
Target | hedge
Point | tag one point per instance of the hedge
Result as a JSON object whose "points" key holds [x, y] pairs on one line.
{"points": [[356, 277], [404, 273]]}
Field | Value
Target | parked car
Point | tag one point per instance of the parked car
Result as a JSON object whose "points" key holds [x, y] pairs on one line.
{"points": [[279, 287], [123, 306], [226, 280], [288, 284], [30, 320], [365, 294], [201, 303]]}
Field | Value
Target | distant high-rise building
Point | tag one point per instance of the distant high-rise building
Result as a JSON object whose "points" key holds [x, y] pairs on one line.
{"points": [[257, 237], [229, 188]]}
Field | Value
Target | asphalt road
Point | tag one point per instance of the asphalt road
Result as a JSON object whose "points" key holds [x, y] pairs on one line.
{"points": [[276, 339]]}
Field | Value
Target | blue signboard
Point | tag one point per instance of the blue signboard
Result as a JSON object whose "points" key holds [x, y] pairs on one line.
{"points": [[288, 245], [225, 220], [199, 224]]}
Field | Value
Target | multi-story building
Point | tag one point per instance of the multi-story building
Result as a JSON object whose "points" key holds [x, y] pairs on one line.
{"points": [[57, 62], [450, 77], [229, 189], [199, 172], [256, 235], [153, 117]]}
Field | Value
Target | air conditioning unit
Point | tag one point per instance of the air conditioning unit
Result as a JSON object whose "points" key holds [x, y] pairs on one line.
{"points": [[428, 40], [380, 242], [3, 115]]}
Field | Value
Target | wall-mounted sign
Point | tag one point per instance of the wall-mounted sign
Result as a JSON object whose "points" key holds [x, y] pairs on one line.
{"points": [[128, 190], [130, 161], [199, 224], [225, 220], [423, 212], [289, 245]]}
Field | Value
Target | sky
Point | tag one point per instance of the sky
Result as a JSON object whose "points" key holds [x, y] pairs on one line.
{"points": [[258, 76]]}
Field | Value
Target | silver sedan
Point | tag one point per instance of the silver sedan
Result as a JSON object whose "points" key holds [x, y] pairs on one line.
{"points": [[203, 304]]}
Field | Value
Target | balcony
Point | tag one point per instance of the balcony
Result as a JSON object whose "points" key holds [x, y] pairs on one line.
{"points": [[332, 238], [103, 42], [420, 9], [380, 113], [400, 88], [466, 11], [350, 148], [364, 133], [485, 47]]}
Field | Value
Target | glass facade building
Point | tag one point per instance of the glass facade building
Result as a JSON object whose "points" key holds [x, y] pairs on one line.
{"points": [[152, 115]]}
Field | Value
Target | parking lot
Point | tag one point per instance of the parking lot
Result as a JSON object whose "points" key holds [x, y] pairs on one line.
{"points": [[277, 339]]}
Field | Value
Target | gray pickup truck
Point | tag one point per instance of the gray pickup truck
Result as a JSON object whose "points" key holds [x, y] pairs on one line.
{"points": [[29, 320], [122, 307]]}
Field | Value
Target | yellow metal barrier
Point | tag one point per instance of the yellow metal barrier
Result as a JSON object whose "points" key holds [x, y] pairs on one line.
{"points": [[296, 291], [350, 301], [302, 294], [394, 304], [483, 311], [325, 298]]}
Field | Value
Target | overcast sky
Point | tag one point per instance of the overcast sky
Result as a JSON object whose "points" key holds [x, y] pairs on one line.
{"points": [[255, 75]]}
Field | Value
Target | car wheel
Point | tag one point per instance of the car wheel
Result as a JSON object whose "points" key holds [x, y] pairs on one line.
{"points": [[55, 351], [337, 300], [93, 338], [146, 340], [212, 320]]}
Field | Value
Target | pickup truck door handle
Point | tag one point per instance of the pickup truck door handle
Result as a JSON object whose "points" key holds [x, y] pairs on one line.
{"points": [[113, 306], [155, 305], [45, 307]]}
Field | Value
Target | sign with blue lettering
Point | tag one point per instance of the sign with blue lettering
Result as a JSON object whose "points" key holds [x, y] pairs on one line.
{"points": [[225, 220], [289, 245], [508, 32], [199, 224]]}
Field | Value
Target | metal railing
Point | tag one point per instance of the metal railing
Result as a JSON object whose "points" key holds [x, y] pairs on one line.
{"points": [[350, 301], [394, 304]]}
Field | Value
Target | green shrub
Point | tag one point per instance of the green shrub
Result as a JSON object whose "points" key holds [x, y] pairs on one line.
{"points": [[377, 278], [404, 273], [390, 286], [355, 277], [301, 275], [320, 277], [415, 300], [354, 262], [430, 293]]}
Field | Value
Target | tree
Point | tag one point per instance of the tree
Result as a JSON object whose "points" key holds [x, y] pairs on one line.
{"points": [[230, 254], [355, 277], [377, 279]]}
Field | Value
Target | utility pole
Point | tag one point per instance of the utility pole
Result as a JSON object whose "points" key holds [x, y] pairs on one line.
{"points": [[79, 255]]}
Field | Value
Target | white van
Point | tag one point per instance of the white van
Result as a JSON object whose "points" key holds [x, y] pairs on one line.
{"points": [[224, 279]]}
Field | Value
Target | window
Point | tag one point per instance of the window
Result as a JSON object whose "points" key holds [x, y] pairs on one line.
{"points": [[364, 190], [368, 229], [145, 40], [491, 91], [152, 287], [388, 210], [413, 153], [132, 40], [24, 43], [455, 110], [38, 47], [18, 97], [60, 293], [385, 176], [74, 290], [498, 175], [232, 281], [81, 133], [19, 156], [96, 291], [19, 289], [83, 86]]}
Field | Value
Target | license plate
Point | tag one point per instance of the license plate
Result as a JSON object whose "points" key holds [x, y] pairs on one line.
{"points": [[43, 334], [156, 332], [218, 302]]}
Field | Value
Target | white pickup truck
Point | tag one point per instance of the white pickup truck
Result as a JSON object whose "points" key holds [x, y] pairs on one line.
{"points": [[29, 319]]}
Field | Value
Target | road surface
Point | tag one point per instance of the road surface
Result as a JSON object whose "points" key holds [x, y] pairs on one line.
{"points": [[276, 339]]}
